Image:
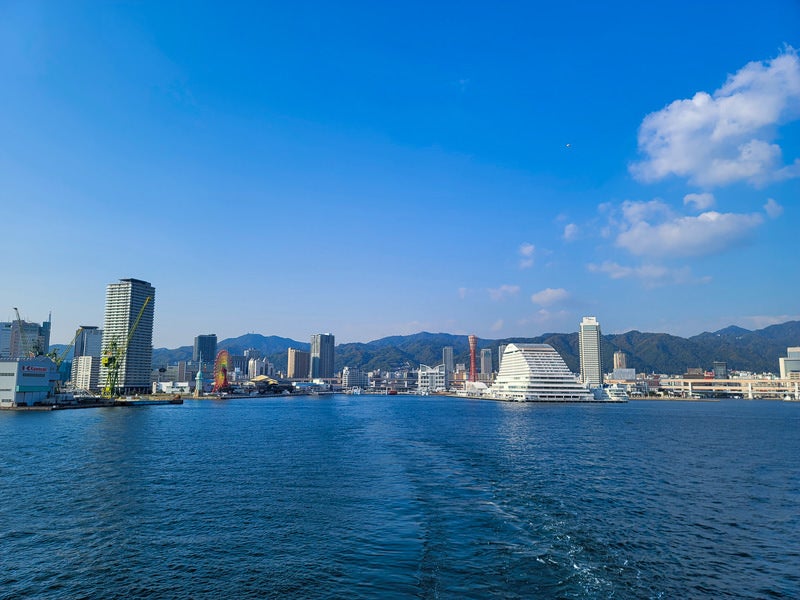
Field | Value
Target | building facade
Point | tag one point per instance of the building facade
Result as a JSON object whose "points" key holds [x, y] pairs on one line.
{"points": [[298, 364], [486, 361], [354, 378], [537, 373], [431, 379], [89, 343], [124, 301], [590, 356], [21, 339], [447, 359], [205, 348], [790, 364], [620, 360], [322, 353], [27, 381]]}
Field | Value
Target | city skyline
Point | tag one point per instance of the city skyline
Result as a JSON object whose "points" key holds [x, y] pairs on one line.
{"points": [[492, 171]]}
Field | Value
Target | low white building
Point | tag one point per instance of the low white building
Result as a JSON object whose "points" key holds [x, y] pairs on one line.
{"points": [[27, 381], [432, 379], [86, 372], [353, 377]]}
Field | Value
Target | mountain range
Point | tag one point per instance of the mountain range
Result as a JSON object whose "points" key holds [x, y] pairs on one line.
{"points": [[742, 349]]}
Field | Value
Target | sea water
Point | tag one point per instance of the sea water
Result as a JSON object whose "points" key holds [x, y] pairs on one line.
{"points": [[402, 497]]}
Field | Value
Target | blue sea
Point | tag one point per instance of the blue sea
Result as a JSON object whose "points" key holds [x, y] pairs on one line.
{"points": [[402, 497]]}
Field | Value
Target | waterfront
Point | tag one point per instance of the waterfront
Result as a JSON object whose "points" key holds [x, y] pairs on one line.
{"points": [[370, 496]]}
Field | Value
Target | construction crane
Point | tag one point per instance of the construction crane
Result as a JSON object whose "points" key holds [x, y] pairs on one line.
{"points": [[59, 358], [23, 341], [114, 354]]}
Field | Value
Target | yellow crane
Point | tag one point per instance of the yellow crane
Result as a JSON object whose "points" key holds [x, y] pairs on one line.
{"points": [[115, 353]]}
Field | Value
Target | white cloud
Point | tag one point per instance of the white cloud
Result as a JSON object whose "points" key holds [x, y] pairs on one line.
{"points": [[497, 325], [571, 232], [761, 321], [773, 209], [651, 229], [699, 201], [550, 296], [503, 292], [462, 292], [650, 275], [728, 136], [527, 252]]}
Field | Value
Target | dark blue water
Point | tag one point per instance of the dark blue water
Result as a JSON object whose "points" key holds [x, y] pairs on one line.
{"points": [[359, 496]]}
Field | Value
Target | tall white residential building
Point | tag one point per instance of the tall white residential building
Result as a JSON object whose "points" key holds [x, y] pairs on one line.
{"points": [[591, 360], [124, 301], [537, 373]]}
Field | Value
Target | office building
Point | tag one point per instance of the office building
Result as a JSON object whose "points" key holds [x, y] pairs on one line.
{"points": [[447, 359], [298, 364], [125, 302], [486, 361], [88, 343], [21, 339], [790, 364], [720, 370], [432, 379], [354, 378], [321, 366], [27, 381], [591, 360], [620, 360], [205, 348]]}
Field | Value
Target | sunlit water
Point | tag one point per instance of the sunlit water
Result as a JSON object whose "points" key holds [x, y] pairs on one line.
{"points": [[375, 496]]}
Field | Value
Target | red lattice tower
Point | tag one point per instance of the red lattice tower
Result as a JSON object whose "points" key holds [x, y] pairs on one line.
{"points": [[473, 366]]}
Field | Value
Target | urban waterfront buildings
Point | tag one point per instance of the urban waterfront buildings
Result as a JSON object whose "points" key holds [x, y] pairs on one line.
{"points": [[620, 360], [124, 302], [447, 359], [354, 378], [21, 338], [27, 381], [536, 373], [486, 361], [85, 372], [590, 356], [432, 379], [205, 348], [298, 364], [790, 364], [322, 345]]}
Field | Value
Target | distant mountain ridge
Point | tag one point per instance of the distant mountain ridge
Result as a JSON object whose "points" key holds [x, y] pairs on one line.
{"points": [[741, 349]]}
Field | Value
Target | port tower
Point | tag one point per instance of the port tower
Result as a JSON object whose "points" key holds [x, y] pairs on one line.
{"points": [[473, 363]]}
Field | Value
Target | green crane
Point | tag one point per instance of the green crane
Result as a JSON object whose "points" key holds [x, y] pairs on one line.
{"points": [[115, 353]]}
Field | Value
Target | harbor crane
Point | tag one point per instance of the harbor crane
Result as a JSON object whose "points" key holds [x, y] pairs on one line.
{"points": [[23, 350], [115, 353], [59, 358]]}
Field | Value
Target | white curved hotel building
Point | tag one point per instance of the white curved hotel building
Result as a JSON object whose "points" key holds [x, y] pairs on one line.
{"points": [[537, 373]]}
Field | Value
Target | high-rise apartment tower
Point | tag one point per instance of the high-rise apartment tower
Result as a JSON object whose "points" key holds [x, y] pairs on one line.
{"points": [[321, 366], [591, 360], [124, 302]]}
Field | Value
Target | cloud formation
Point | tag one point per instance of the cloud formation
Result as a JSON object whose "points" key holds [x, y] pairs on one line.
{"points": [[526, 252], [725, 137], [651, 229], [699, 201], [650, 275], [773, 209], [549, 296], [570, 232], [503, 292]]}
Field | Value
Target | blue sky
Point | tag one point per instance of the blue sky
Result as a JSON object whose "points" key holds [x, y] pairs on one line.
{"points": [[374, 169]]}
